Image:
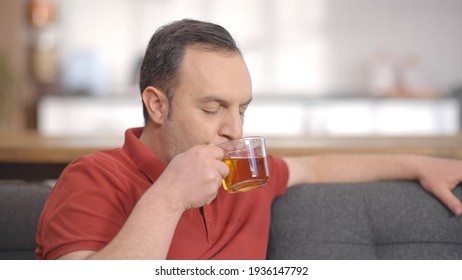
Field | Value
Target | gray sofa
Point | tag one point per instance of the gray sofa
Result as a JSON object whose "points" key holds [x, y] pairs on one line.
{"points": [[386, 220], [20, 207]]}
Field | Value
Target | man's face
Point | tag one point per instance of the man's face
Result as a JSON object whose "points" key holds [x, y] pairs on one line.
{"points": [[209, 104]]}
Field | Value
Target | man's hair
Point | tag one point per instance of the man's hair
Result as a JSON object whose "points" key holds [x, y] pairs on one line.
{"points": [[166, 49]]}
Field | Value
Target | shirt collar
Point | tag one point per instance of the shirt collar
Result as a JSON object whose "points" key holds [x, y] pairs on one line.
{"points": [[141, 155]]}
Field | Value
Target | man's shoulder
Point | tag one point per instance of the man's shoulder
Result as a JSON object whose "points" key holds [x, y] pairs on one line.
{"points": [[111, 168], [114, 159]]}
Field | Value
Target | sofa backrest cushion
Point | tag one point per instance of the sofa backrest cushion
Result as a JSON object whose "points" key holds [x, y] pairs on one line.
{"points": [[20, 208], [385, 220]]}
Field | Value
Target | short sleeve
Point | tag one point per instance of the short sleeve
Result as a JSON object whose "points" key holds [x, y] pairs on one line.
{"points": [[279, 175], [84, 210]]}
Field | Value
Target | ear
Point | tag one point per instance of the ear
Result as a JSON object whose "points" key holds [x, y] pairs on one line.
{"points": [[156, 104]]}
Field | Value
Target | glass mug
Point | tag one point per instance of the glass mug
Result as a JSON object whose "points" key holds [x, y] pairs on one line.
{"points": [[246, 159]]}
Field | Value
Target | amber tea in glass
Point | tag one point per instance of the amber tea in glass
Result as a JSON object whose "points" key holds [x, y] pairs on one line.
{"points": [[248, 168]]}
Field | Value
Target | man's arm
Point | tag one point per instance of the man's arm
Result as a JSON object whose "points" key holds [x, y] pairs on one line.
{"points": [[191, 180], [147, 233], [438, 176]]}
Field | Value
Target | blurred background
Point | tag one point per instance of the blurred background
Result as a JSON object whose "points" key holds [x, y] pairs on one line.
{"points": [[319, 67]]}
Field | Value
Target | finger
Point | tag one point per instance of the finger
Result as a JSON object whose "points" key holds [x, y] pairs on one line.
{"points": [[217, 152], [223, 169], [450, 200]]}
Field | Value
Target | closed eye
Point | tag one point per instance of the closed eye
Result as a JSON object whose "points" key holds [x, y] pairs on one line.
{"points": [[212, 105], [211, 112]]}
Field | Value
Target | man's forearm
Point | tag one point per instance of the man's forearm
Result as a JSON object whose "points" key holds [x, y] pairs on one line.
{"points": [[365, 168], [148, 231], [353, 168]]}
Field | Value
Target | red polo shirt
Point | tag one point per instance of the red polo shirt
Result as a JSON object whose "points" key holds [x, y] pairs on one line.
{"points": [[96, 193]]}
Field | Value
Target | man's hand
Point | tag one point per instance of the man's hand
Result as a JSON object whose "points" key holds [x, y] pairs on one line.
{"points": [[192, 178], [440, 177]]}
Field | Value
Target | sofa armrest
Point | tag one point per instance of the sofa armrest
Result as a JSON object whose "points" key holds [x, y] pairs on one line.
{"points": [[383, 220]]}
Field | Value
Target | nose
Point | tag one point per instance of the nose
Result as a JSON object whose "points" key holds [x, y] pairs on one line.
{"points": [[231, 125]]}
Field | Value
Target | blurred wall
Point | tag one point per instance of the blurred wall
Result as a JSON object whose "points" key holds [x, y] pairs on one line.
{"points": [[307, 47], [16, 95]]}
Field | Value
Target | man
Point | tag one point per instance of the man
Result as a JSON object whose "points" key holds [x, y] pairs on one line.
{"points": [[160, 195]]}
